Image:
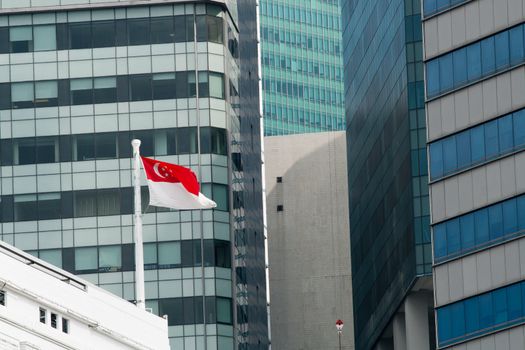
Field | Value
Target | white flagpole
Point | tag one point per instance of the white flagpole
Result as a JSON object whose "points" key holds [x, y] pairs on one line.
{"points": [[139, 249]]}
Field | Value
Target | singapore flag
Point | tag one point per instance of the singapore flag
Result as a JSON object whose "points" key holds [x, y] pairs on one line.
{"points": [[174, 186]]}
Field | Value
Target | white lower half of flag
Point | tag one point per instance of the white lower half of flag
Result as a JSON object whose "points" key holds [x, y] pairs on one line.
{"points": [[174, 195]]}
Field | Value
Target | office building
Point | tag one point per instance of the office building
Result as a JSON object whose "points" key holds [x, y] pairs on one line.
{"points": [[308, 241], [79, 80], [387, 171], [301, 57], [69, 313], [475, 100]]}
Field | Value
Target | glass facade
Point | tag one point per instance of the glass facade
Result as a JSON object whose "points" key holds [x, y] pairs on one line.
{"points": [[77, 86], [476, 61], [482, 314], [301, 56], [475, 221], [387, 163]]}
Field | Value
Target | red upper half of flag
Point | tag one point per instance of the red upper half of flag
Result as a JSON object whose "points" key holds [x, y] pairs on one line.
{"points": [[158, 171]]}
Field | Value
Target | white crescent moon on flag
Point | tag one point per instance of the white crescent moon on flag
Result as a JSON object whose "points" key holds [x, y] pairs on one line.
{"points": [[156, 170]]}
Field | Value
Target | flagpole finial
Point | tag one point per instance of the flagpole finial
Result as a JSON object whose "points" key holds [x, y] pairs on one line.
{"points": [[135, 143]]}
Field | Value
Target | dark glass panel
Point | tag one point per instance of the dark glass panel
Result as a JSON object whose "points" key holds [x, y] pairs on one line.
{"points": [[80, 35], [106, 145], [103, 33], [162, 30], [140, 87], [138, 31]]}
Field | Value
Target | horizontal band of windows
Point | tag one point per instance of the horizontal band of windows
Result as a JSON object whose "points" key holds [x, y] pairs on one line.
{"points": [[157, 256], [111, 33], [431, 7], [482, 314], [477, 145], [111, 89], [189, 310], [475, 61], [479, 229], [89, 203], [111, 145]]}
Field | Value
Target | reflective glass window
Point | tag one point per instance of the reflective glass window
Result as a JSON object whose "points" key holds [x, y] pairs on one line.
{"points": [[104, 33], [80, 35], [138, 31], [163, 86], [81, 91], [85, 147], [140, 87], [162, 30], [108, 202], [502, 50], [169, 254], [22, 95], [109, 258], [86, 259], [85, 203], [474, 61], [517, 53], [216, 85], [105, 90], [52, 256], [46, 93], [21, 39], [25, 207], [488, 57], [44, 38], [460, 66]]}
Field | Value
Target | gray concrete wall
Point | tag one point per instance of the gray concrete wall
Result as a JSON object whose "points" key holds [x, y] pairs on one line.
{"points": [[309, 241]]}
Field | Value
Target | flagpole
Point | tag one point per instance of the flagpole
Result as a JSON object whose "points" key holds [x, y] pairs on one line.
{"points": [[139, 249]]}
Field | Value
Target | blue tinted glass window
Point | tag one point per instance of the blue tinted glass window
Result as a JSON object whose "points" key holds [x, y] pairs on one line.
{"points": [[514, 302], [486, 313], [453, 236], [442, 4], [432, 77], [436, 160], [460, 66], [510, 216], [450, 162], [458, 319], [472, 315], [499, 298], [446, 73], [464, 152], [430, 6], [495, 221], [502, 50], [491, 139], [477, 140], [468, 238], [474, 61], [440, 240], [481, 219], [521, 213], [516, 45], [444, 323], [506, 134], [488, 57], [519, 128]]}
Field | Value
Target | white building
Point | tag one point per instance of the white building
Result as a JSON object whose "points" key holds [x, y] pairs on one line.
{"points": [[45, 308]]}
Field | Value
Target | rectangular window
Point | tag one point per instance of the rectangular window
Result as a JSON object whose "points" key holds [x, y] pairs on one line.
{"points": [[46, 93], [220, 196], [169, 254], [86, 259], [21, 39], [45, 38], [80, 35], [22, 95], [52, 256], [203, 84], [103, 33], [488, 57], [517, 53], [81, 91], [42, 315], [138, 31], [164, 86], [162, 30], [85, 147], [24, 151], [502, 50], [140, 87], [224, 310], [215, 29], [25, 207], [106, 145], [85, 203], [187, 140], [2, 297], [49, 206], [54, 320], [216, 85], [108, 202], [105, 90], [180, 29], [150, 256], [65, 325], [109, 258]]}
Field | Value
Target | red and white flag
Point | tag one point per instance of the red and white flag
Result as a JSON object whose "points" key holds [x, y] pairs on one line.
{"points": [[174, 186]]}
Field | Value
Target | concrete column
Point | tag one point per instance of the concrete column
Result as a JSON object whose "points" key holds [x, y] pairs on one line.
{"points": [[416, 317], [399, 329]]}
